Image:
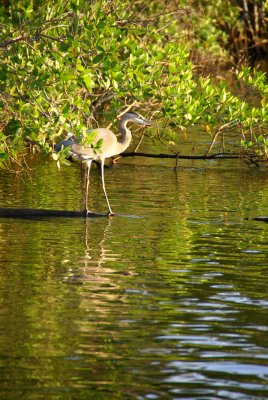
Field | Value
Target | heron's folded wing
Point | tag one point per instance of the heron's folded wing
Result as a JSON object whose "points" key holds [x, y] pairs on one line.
{"points": [[65, 143]]}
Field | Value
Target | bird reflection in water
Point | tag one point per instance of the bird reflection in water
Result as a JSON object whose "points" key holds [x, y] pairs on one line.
{"points": [[92, 265]]}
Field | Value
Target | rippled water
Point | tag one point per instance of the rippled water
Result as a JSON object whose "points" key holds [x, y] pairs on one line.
{"points": [[169, 300]]}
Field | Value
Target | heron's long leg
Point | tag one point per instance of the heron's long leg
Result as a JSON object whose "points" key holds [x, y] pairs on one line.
{"points": [[103, 186], [88, 164]]}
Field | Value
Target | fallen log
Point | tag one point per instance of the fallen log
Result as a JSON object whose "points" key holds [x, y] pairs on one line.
{"points": [[264, 219], [227, 156], [35, 213]]}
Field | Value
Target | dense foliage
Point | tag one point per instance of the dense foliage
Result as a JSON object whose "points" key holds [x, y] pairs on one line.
{"points": [[247, 34], [234, 31], [65, 64]]}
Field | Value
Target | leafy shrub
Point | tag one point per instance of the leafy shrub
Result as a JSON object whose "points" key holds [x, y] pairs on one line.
{"points": [[62, 65]]}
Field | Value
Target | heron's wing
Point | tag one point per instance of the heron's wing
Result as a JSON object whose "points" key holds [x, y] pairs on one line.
{"points": [[65, 143], [85, 152], [108, 141]]}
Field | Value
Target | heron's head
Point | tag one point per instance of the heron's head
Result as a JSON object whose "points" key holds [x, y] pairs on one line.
{"points": [[133, 116]]}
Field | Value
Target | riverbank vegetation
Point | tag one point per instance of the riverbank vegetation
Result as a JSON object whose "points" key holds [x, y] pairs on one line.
{"points": [[65, 65]]}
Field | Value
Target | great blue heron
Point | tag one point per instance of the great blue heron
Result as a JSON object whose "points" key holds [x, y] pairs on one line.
{"points": [[110, 146]]}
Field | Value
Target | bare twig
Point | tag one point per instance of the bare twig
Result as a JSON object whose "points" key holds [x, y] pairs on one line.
{"points": [[104, 99], [51, 37], [229, 126], [128, 108], [11, 41], [140, 141], [215, 136]]}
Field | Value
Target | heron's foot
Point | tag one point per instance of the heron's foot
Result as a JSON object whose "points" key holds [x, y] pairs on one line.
{"points": [[87, 212], [114, 160], [111, 214]]}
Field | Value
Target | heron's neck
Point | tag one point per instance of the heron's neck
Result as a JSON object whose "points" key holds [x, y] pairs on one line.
{"points": [[125, 139]]}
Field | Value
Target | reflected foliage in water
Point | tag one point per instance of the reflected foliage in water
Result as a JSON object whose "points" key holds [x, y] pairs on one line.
{"points": [[167, 301]]}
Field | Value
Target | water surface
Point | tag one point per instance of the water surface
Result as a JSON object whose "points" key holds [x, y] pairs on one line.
{"points": [[168, 300]]}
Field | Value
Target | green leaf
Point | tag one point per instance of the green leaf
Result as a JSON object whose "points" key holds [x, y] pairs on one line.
{"points": [[88, 81], [55, 156], [98, 58], [188, 116]]}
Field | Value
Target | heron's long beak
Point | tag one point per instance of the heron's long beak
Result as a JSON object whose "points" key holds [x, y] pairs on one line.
{"points": [[150, 123], [147, 122]]}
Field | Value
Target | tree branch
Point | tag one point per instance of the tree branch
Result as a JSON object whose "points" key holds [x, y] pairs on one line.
{"points": [[11, 41], [226, 156]]}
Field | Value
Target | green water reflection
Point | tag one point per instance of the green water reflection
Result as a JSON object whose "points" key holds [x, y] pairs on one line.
{"points": [[167, 301]]}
